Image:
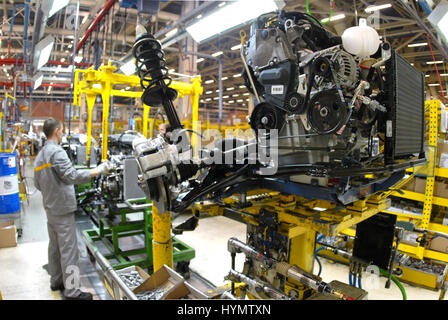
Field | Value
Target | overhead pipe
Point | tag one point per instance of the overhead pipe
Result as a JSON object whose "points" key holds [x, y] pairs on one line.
{"points": [[51, 62], [94, 23], [55, 85]]}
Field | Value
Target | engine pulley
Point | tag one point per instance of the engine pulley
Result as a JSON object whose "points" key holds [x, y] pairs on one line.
{"points": [[266, 116], [326, 113], [295, 103]]}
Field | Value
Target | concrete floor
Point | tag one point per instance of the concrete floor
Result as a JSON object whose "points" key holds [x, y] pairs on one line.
{"points": [[23, 277]]}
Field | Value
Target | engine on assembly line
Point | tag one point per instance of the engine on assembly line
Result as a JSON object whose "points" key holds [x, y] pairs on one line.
{"points": [[339, 108]]}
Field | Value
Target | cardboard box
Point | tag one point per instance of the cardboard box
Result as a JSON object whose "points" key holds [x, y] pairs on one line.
{"points": [[442, 147], [439, 244], [185, 290], [440, 189], [8, 234], [165, 278], [420, 185]]}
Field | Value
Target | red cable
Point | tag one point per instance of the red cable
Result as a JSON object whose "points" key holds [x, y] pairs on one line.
{"points": [[435, 65]]}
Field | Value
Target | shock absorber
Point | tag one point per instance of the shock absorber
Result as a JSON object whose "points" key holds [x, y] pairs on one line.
{"points": [[154, 79]]}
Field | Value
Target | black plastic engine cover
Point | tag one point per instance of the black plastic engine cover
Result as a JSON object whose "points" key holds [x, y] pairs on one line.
{"points": [[278, 82]]}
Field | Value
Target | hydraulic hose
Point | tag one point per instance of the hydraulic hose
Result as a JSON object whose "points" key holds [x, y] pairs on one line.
{"points": [[396, 281]]}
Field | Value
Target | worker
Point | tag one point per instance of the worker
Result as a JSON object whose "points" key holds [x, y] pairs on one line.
{"points": [[54, 177], [163, 128]]}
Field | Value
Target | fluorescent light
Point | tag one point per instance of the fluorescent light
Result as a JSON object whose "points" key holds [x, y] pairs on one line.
{"points": [[128, 88], [246, 94], [433, 85], [78, 59], [208, 99], [63, 60], [439, 19], [237, 47], [239, 100], [199, 16], [128, 68], [224, 78], [217, 90], [434, 62], [209, 81], [200, 60], [56, 5], [242, 86], [37, 80], [418, 44], [231, 101], [209, 92], [215, 98], [70, 46], [379, 7], [235, 95], [237, 75], [217, 53], [222, 4], [43, 50], [334, 18], [171, 33], [225, 97], [230, 89], [426, 75], [230, 16], [444, 74]]}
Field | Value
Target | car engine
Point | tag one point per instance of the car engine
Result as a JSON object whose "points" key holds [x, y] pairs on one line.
{"points": [[326, 116]]}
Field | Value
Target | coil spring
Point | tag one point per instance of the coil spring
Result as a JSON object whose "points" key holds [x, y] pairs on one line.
{"points": [[150, 61]]}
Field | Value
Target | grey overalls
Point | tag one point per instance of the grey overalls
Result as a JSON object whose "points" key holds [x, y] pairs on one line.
{"points": [[54, 176]]}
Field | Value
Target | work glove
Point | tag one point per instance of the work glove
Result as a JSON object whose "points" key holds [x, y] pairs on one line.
{"points": [[105, 167]]}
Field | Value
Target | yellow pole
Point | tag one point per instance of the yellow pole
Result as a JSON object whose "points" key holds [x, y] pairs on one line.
{"points": [[106, 86], [145, 120], [197, 91], [162, 245], [90, 98]]}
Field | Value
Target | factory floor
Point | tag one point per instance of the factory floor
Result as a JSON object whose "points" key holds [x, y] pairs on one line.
{"points": [[23, 275]]}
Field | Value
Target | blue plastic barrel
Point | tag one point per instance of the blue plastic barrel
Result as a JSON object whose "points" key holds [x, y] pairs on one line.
{"points": [[9, 184]]}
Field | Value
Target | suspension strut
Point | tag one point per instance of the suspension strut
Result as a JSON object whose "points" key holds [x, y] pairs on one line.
{"points": [[154, 79]]}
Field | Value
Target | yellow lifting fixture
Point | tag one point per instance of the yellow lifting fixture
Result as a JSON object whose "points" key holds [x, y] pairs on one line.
{"points": [[92, 83]]}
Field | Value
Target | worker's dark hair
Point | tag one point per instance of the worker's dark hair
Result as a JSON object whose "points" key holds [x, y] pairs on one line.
{"points": [[50, 125]]}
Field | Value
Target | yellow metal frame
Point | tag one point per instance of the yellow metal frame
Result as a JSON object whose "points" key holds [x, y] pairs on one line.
{"points": [[299, 222], [92, 83], [433, 109]]}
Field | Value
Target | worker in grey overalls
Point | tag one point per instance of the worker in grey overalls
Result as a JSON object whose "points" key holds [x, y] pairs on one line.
{"points": [[54, 176]]}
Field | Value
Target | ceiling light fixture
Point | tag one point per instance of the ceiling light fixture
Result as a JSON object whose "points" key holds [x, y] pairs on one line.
{"points": [[333, 18], [228, 17], [378, 7], [237, 47], [43, 51], [418, 44], [216, 54]]}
